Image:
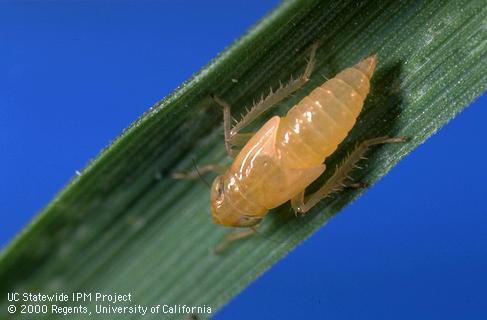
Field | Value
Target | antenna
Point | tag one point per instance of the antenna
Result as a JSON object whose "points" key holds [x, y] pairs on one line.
{"points": [[199, 174]]}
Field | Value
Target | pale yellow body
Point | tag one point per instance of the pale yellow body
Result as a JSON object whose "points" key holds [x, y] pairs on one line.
{"points": [[287, 154]]}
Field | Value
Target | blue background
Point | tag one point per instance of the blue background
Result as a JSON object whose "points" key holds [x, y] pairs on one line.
{"points": [[72, 76]]}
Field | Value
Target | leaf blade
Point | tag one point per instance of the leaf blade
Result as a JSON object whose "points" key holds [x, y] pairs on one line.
{"points": [[416, 43]]}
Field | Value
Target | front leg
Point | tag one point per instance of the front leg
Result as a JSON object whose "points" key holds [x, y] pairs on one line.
{"points": [[233, 236], [339, 179]]}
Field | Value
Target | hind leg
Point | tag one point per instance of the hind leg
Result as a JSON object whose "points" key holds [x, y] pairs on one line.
{"points": [[232, 133], [233, 236], [340, 179]]}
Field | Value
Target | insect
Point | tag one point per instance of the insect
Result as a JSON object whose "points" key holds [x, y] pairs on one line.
{"points": [[287, 153]]}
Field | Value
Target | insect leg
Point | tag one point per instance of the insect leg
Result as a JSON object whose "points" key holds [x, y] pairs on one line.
{"points": [[242, 138], [227, 123], [277, 96], [232, 134], [340, 178], [236, 139], [232, 237]]}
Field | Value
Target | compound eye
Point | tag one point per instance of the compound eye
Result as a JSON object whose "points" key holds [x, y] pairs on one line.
{"points": [[220, 187]]}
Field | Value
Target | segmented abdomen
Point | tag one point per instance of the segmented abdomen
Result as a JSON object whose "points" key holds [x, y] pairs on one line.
{"points": [[313, 129]]}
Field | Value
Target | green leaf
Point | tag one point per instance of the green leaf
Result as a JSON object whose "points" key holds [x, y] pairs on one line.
{"points": [[125, 226]]}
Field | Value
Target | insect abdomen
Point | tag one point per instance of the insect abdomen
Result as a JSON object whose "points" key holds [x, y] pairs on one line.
{"points": [[313, 129]]}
